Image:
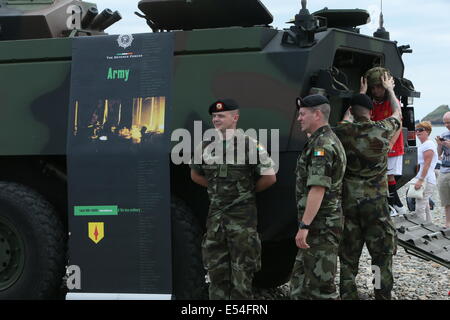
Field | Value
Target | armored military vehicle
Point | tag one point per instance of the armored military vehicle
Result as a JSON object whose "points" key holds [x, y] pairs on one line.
{"points": [[221, 49]]}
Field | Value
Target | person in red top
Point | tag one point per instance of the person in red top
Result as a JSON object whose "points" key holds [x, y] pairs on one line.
{"points": [[371, 84]]}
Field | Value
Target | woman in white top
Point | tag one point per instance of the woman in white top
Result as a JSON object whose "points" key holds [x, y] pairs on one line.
{"points": [[427, 158]]}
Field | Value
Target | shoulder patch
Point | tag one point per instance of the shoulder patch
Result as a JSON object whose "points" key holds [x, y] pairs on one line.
{"points": [[319, 152]]}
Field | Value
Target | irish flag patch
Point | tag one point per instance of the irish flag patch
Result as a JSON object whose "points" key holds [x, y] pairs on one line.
{"points": [[319, 152]]}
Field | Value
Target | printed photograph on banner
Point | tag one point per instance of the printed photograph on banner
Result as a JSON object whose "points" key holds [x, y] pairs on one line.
{"points": [[130, 121]]}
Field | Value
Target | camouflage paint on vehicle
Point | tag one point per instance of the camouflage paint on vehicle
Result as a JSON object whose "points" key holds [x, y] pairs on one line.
{"points": [[257, 66], [34, 93]]}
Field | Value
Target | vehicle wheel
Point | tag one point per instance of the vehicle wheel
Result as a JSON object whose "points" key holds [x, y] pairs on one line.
{"points": [[32, 245], [188, 274]]}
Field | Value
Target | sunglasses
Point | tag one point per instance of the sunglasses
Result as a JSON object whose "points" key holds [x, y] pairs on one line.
{"points": [[420, 129]]}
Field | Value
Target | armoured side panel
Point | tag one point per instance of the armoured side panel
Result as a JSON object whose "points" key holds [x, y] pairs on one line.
{"points": [[231, 62], [264, 76], [242, 68], [34, 95]]}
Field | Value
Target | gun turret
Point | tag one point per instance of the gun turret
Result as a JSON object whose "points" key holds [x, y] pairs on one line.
{"points": [[31, 19], [89, 17], [116, 16], [101, 18], [305, 27]]}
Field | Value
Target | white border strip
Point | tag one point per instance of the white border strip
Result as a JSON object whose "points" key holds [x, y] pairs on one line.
{"points": [[116, 296]]}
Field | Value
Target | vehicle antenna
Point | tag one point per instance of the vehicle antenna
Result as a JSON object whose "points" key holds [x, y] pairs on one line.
{"points": [[304, 10], [381, 32], [381, 16]]}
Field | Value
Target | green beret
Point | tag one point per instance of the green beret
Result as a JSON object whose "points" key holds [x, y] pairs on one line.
{"points": [[374, 75], [223, 105]]}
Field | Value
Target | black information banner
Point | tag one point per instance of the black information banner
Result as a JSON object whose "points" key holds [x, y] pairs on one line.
{"points": [[118, 167]]}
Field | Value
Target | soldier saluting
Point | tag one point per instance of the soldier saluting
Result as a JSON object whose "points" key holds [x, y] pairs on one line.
{"points": [[320, 170], [231, 247]]}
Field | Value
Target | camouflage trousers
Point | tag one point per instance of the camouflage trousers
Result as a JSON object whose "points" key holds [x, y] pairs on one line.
{"points": [[231, 255], [367, 221], [315, 268]]}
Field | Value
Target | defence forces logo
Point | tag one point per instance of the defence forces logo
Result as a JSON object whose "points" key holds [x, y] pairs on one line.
{"points": [[125, 40], [96, 231]]}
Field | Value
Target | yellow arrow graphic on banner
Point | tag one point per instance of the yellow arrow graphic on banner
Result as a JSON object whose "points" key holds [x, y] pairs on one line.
{"points": [[96, 231]]}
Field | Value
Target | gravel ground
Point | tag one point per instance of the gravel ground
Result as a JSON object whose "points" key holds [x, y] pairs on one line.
{"points": [[414, 278]]}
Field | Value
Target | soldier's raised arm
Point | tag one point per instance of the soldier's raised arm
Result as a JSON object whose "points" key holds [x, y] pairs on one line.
{"points": [[388, 84]]}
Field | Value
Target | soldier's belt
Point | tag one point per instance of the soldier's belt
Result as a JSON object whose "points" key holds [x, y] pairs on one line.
{"points": [[241, 198]]}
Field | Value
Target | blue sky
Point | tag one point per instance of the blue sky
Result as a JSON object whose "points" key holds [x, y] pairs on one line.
{"points": [[425, 25]]}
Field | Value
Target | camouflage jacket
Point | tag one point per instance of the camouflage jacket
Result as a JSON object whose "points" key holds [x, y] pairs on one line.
{"points": [[232, 167], [322, 163], [366, 144]]}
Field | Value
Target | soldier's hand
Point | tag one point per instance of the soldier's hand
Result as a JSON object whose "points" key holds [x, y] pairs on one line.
{"points": [[387, 82], [363, 87], [300, 239]]}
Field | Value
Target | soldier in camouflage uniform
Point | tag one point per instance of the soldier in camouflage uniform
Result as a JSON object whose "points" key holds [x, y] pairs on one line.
{"points": [[365, 205], [320, 170], [231, 247]]}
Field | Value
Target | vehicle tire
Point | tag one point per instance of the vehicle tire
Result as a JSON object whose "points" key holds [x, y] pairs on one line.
{"points": [[188, 274], [32, 245]]}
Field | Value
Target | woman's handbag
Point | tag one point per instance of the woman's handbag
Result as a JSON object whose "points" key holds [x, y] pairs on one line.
{"points": [[416, 193]]}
